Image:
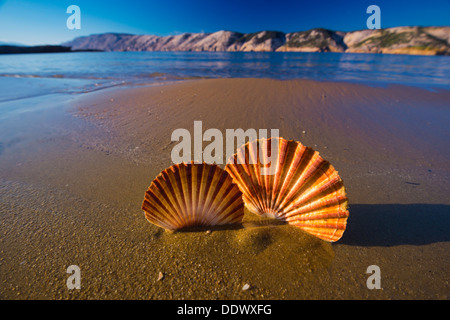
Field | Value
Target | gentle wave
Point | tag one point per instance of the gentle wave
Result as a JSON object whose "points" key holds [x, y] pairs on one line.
{"points": [[38, 74], [153, 75], [54, 76]]}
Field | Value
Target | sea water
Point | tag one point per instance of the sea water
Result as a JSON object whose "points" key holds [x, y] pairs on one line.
{"points": [[30, 75]]}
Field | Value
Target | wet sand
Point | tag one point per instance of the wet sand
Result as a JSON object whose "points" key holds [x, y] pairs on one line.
{"points": [[74, 174]]}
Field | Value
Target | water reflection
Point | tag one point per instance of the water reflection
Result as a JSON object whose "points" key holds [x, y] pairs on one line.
{"points": [[103, 68]]}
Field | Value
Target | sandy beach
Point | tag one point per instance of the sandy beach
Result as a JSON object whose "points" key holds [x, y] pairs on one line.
{"points": [[74, 174]]}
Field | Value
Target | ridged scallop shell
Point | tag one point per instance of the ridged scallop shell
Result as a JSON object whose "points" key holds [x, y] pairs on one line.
{"points": [[304, 189], [193, 195]]}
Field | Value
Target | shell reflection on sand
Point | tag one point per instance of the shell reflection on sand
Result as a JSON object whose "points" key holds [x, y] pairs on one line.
{"points": [[282, 257], [305, 190], [193, 195]]}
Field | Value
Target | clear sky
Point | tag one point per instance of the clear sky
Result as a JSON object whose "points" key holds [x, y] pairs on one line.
{"points": [[44, 22]]}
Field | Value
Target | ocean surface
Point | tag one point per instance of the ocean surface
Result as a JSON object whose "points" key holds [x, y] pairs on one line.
{"points": [[25, 76]]}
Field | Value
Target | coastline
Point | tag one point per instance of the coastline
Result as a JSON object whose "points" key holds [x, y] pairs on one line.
{"points": [[413, 40], [73, 190]]}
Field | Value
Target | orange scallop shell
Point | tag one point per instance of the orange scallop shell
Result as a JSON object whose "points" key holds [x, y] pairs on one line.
{"points": [[193, 195], [303, 189]]}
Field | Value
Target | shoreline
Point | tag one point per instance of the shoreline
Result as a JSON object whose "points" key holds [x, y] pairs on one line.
{"points": [[373, 70], [73, 182]]}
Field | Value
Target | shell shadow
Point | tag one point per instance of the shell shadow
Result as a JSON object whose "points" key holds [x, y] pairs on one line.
{"points": [[235, 226], [397, 224]]}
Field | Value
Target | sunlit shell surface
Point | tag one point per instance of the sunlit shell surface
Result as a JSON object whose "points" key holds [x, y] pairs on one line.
{"points": [[302, 189], [193, 195]]}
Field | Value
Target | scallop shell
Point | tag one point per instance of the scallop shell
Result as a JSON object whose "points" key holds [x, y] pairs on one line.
{"points": [[193, 195], [303, 189]]}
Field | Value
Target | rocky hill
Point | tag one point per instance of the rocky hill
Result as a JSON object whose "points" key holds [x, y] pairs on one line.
{"points": [[398, 40]]}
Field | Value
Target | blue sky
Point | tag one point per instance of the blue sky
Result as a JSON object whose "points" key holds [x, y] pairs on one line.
{"points": [[44, 22]]}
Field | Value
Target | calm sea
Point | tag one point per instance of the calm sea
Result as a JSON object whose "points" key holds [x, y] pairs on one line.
{"points": [[31, 75]]}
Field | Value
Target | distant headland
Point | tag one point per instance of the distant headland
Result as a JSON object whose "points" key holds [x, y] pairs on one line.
{"points": [[413, 40], [11, 49], [397, 40]]}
